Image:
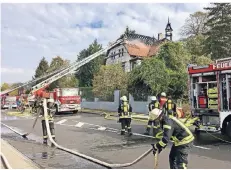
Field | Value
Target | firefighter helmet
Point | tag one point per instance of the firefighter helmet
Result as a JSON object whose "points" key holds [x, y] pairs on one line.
{"points": [[163, 94], [124, 98], [153, 98]]}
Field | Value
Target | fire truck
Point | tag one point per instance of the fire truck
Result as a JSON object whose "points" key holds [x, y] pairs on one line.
{"points": [[210, 96], [65, 99]]}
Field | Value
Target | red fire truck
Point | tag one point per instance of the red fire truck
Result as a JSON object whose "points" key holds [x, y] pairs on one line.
{"points": [[66, 99], [210, 96]]}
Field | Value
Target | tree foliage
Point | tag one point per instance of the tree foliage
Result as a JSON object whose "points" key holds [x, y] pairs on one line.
{"points": [[150, 78], [86, 72], [42, 68], [66, 81], [108, 79], [174, 55], [5, 86], [194, 24], [218, 36]]}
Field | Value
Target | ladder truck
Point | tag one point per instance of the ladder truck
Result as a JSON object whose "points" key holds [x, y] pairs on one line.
{"points": [[71, 102], [210, 96]]}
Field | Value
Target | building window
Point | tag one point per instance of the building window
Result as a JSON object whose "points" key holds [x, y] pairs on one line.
{"points": [[123, 66], [119, 52], [122, 52], [113, 55]]}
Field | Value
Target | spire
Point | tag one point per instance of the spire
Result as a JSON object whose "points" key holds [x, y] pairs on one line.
{"points": [[168, 30]]}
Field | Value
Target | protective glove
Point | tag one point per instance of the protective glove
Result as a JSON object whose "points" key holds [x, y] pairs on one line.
{"points": [[155, 149]]}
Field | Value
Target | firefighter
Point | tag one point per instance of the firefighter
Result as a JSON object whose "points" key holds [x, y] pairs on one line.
{"points": [[169, 106], [50, 106], [154, 104], [124, 116], [182, 139], [162, 99]]}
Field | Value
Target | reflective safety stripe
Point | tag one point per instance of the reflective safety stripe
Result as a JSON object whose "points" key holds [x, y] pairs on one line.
{"points": [[184, 166], [125, 117], [162, 143], [167, 127], [45, 136], [185, 140], [129, 127], [157, 104], [52, 136], [123, 130], [155, 127], [159, 135], [149, 126]]}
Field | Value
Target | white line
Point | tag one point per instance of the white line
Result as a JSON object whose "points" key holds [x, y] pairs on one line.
{"points": [[61, 121], [80, 124], [101, 128], [201, 147]]}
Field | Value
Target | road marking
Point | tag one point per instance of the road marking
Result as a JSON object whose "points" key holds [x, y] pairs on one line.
{"points": [[61, 121], [201, 147], [80, 124], [102, 128]]}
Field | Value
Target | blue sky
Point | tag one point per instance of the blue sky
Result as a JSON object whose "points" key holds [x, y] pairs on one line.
{"points": [[31, 31]]}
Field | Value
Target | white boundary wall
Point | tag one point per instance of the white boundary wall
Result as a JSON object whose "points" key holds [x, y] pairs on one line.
{"points": [[137, 106]]}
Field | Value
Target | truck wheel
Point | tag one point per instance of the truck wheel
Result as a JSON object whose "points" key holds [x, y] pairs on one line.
{"points": [[75, 111], [228, 130]]}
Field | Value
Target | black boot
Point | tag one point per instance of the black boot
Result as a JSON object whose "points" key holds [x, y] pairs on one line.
{"points": [[147, 131], [129, 132], [122, 132]]}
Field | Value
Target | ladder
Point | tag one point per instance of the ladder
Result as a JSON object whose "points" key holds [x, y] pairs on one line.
{"points": [[72, 68], [32, 81]]}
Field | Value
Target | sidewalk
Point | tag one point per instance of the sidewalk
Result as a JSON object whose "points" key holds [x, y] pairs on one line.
{"points": [[15, 158]]}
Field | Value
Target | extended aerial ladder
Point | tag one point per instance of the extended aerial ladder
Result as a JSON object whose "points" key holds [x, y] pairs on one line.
{"points": [[32, 81], [72, 68]]}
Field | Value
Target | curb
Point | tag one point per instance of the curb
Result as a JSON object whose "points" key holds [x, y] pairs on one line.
{"points": [[12, 153]]}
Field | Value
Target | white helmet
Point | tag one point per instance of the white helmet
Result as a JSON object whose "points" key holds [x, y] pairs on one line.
{"points": [[155, 113], [153, 98], [124, 98], [163, 94]]}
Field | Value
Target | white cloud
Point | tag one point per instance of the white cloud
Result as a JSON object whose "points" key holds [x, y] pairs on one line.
{"points": [[31, 31]]}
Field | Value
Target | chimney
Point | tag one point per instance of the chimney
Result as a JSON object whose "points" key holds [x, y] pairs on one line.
{"points": [[160, 36]]}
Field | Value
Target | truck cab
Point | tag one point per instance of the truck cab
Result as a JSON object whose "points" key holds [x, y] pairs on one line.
{"points": [[210, 96], [67, 99]]}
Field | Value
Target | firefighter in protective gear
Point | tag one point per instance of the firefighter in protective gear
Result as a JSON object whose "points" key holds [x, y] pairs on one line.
{"points": [[163, 99], [50, 106], [124, 115], [169, 107], [152, 122], [182, 139]]}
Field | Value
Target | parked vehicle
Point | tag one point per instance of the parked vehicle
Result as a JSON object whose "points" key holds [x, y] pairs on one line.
{"points": [[210, 96]]}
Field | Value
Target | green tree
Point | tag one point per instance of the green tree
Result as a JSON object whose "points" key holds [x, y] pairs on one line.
{"points": [[42, 68], [174, 55], [66, 81], [150, 78], [86, 72], [194, 24], [103, 83], [218, 36], [5, 86]]}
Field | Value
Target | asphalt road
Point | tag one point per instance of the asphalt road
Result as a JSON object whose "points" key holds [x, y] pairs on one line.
{"points": [[97, 137]]}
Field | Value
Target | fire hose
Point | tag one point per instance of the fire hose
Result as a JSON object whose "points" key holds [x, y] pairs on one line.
{"points": [[102, 163], [4, 161]]}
